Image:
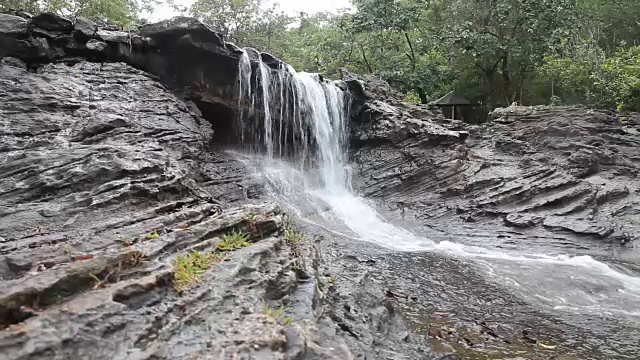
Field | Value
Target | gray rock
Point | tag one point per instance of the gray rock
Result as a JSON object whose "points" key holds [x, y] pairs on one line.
{"points": [[113, 36], [42, 48], [570, 166], [96, 45], [522, 220], [13, 25], [51, 21], [96, 157], [85, 27], [179, 26], [579, 225], [9, 61], [23, 14]]}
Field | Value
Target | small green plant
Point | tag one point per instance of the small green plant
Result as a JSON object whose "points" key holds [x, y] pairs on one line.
{"points": [[277, 314], [152, 235], [188, 269], [292, 236], [234, 240]]}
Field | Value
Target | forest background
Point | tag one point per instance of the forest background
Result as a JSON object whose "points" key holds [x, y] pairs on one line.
{"points": [[493, 52]]}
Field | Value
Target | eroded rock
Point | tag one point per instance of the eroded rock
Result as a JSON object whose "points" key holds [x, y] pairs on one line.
{"points": [[575, 168], [51, 21], [11, 25]]}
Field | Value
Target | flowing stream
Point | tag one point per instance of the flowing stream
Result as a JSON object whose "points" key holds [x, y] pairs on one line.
{"points": [[296, 126]]}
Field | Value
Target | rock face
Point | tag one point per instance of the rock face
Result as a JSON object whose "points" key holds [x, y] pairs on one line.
{"points": [[111, 172], [566, 171], [111, 175], [172, 50]]}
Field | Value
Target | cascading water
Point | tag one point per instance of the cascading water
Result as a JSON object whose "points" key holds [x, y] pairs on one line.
{"points": [[302, 154]]}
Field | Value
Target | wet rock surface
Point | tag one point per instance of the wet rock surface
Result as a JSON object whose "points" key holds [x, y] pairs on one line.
{"points": [[535, 180], [110, 171], [554, 171], [107, 179]]}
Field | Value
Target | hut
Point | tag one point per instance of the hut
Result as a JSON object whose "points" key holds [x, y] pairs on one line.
{"points": [[454, 106]]}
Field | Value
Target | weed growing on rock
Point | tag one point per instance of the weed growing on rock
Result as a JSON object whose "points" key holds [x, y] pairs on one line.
{"points": [[234, 240], [152, 235], [277, 314], [188, 269], [292, 236], [134, 258]]}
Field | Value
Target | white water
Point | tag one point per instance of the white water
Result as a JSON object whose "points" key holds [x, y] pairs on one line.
{"points": [[316, 182]]}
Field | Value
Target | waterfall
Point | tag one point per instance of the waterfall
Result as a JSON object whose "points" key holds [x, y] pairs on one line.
{"points": [[295, 125], [302, 118], [309, 123]]}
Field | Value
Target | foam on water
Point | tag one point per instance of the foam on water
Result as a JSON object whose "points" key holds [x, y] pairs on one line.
{"points": [[302, 155]]}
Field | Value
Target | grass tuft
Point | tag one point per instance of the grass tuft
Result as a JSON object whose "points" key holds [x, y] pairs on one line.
{"points": [[188, 269], [234, 240], [278, 314], [292, 236], [152, 235]]}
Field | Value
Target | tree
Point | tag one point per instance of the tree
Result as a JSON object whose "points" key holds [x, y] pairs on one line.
{"points": [[612, 23], [233, 19], [507, 39], [394, 22], [126, 13]]}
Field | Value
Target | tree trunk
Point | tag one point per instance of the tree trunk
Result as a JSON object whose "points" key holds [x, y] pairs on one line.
{"points": [[422, 94], [506, 77], [412, 57], [364, 57]]}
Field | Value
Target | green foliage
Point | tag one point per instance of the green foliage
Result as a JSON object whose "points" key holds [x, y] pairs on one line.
{"points": [[412, 97], [617, 82], [493, 52], [126, 13], [152, 235], [507, 39], [277, 314], [234, 240], [188, 269], [612, 23], [292, 236], [568, 76]]}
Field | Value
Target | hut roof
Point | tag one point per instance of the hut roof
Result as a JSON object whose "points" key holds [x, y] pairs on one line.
{"points": [[452, 99]]}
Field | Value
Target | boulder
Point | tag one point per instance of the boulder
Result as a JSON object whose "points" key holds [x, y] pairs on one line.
{"points": [[180, 26], [51, 21], [85, 28], [113, 36], [9, 61], [22, 14], [96, 45], [41, 47], [11, 25]]}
